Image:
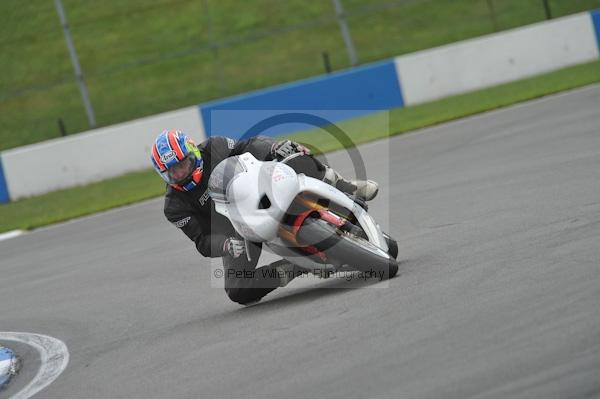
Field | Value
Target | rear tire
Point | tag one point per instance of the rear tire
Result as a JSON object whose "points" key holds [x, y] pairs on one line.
{"points": [[346, 249]]}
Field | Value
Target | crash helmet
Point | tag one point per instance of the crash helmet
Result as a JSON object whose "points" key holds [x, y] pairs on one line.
{"points": [[177, 159]]}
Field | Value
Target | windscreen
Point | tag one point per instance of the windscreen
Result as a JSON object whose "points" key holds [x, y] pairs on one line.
{"points": [[222, 176]]}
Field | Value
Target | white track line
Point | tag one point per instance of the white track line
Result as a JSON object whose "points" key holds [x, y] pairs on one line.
{"points": [[54, 357], [11, 234]]}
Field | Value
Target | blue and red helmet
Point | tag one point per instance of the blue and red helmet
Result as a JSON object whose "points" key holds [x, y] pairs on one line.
{"points": [[177, 160]]}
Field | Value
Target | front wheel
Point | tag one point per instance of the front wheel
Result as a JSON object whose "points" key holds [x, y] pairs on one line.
{"points": [[392, 245], [347, 249]]}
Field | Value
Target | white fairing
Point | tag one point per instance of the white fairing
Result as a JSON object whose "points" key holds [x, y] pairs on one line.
{"points": [[248, 181], [275, 181]]}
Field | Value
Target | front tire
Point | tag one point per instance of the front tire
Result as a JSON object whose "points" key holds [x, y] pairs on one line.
{"points": [[347, 249], [392, 246]]}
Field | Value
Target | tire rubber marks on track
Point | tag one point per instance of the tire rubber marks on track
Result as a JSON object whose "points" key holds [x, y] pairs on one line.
{"points": [[54, 357]]}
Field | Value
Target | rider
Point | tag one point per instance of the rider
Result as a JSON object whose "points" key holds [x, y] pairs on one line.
{"points": [[186, 169]]}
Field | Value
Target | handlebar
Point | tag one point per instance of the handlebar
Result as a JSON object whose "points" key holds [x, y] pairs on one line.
{"points": [[290, 157]]}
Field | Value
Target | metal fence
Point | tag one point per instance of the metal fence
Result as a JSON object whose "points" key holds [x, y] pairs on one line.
{"points": [[73, 64]]}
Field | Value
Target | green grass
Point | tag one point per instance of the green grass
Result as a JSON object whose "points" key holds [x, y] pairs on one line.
{"points": [[141, 57], [70, 203], [74, 202]]}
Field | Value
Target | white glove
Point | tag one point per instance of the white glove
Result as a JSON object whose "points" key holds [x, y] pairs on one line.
{"points": [[234, 247], [283, 149]]}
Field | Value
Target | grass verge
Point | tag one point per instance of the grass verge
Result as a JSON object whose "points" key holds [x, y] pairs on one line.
{"points": [[71, 203]]}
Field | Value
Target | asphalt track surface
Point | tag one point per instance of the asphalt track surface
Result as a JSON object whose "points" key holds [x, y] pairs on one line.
{"points": [[498, 220]]}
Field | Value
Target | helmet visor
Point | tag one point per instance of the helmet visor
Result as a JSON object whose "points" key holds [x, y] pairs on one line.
{"points": [[182, 171]]}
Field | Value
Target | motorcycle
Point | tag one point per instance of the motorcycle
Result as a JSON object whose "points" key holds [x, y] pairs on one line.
{"points": [[302, 219]]}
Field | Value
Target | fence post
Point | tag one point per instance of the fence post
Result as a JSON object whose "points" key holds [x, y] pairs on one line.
{"points": [[212, 43], [326, 62], [75, 61], [61, 127], [547, 9], [493, 14], [341, 17]]}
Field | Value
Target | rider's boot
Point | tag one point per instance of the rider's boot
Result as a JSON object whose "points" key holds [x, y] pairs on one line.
{"points": [[365, 189], [286, 271]]}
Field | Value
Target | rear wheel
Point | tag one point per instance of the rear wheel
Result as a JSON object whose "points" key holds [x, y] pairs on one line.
{"points": [[347, 249]]}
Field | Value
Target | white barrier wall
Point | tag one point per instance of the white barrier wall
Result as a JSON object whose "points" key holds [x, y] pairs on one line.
{"points": [[92, 156], [499, 58]]}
